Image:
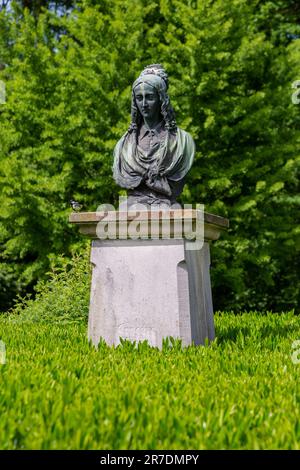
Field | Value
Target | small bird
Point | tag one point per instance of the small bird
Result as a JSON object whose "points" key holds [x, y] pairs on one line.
{"points": [[76, 206]]}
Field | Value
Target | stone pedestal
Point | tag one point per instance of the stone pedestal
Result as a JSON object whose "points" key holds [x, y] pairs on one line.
{"points": [[150, 288]]}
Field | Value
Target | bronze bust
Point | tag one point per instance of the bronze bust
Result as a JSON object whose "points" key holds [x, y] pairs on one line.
{"points": [[152, 158]]}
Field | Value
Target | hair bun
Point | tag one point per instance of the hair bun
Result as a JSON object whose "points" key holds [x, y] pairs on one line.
{"points": [[156, 69]]}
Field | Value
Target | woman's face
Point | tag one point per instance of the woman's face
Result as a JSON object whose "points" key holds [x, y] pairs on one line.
{"points": [[147, 101]]}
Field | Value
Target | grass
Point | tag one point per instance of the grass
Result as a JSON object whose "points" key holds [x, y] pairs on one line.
{"points": [[242, 392]]}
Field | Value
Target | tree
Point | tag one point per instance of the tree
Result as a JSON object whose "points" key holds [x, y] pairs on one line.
{"points": [[68, 103], [37, 6]]}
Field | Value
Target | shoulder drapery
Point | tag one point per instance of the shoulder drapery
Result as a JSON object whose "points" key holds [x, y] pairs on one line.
{"points": [[171, 161]]}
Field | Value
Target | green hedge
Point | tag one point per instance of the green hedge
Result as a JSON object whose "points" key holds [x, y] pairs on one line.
{"points": [[242, 392]]}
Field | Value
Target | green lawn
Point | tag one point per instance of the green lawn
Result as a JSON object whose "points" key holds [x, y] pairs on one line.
{"points": [[241, 392]]}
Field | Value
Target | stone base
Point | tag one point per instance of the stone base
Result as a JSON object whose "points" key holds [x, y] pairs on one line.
{"points": [[149, 290]]}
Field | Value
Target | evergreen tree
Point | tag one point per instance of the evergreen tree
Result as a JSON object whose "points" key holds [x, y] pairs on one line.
{"points": [[68, 83]]}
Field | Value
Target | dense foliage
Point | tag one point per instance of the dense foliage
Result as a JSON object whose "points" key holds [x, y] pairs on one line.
{"points": [[68, 79], [59, 392], [64, 296]]}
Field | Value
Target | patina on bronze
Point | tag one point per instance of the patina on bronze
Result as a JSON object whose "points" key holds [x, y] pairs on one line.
{"points": [[153, 157]]}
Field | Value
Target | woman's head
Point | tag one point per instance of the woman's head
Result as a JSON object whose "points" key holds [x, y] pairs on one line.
{"points": [[150, 98], [147, 101]]}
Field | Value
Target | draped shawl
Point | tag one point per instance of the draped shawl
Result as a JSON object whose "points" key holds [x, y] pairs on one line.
{"points": [[171, 161]]}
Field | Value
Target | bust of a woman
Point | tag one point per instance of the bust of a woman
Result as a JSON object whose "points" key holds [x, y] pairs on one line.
{"points": [[153, 157]]}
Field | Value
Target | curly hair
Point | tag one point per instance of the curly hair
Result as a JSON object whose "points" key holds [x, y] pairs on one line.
{"points": [[166, 109]]}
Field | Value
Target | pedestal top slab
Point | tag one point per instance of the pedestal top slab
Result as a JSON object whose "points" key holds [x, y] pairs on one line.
{"points": [[212, 224]]}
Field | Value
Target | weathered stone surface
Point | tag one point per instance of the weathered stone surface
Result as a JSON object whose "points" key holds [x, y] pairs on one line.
{"points": [[151, 288], [213, 224], [148, 290]]}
